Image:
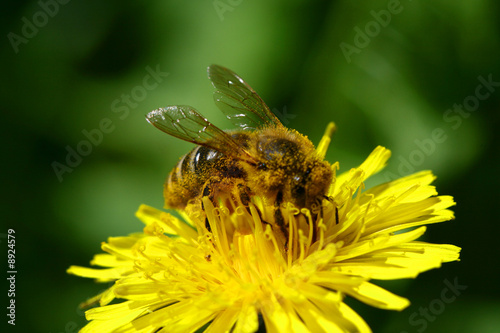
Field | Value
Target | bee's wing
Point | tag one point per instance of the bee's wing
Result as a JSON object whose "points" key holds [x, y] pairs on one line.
{"points": [[238, 101], [185, 123]]}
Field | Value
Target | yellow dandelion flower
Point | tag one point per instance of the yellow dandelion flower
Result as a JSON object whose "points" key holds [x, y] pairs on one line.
{"points": [[177, 276]]}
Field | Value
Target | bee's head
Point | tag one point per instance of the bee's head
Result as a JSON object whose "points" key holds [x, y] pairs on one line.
{"points": [[292, 165]]}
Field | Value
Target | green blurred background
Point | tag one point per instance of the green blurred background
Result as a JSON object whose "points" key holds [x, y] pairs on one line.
{"points": [[387, 72]]}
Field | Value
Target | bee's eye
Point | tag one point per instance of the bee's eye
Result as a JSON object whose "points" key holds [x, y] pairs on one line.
{"points": [[308, 171], [262, 166], [273, 148]]}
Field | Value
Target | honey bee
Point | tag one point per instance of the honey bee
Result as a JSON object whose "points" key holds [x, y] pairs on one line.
{"points": [[262, 158]]}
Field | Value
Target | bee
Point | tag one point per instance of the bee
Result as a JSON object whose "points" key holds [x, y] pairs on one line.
{"points": [[261, 158]]}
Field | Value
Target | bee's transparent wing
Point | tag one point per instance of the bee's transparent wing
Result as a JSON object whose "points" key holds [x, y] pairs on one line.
{"points": [[238, 101], [185, 123]]}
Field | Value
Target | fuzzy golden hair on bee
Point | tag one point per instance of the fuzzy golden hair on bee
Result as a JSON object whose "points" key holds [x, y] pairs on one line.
{"points": [[262, 158]]}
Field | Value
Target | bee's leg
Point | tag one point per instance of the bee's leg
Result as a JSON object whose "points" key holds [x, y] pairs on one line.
{"points": [[245, 200], [206, 193], [315, 215], [244, 194], [262, 324], [336, 208], [278, 216], [210, 191]]}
